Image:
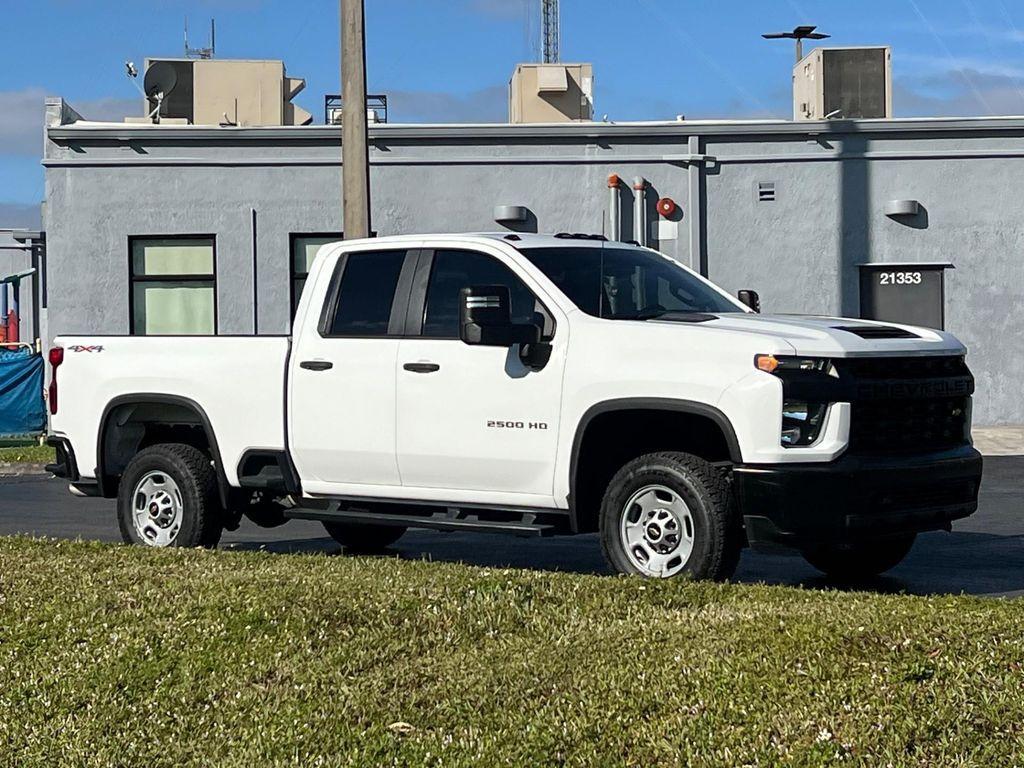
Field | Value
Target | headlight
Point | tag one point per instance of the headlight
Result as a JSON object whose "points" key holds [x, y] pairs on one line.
{"points": [[802, 377], [773, 364], [801, 422]]}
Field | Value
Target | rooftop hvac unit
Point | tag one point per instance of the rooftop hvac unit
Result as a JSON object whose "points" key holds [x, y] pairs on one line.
{"points": [[551, 93], [843, 83], [222, 92]]}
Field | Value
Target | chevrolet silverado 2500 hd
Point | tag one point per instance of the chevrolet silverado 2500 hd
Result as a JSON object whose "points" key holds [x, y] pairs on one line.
{"points": [[532, 385]]}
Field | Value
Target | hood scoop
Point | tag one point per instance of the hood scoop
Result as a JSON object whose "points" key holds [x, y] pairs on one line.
{"points": [[686, 317], [877, 331]]}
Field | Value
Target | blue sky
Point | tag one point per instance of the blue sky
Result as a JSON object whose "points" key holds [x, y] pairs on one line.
{"points": [[449, 60]]}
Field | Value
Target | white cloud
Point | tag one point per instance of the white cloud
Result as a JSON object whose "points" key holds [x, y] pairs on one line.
{"points": [[959, 93], [488, 105], [21, 121], [926, 63], [22, 113], [19, 216]]}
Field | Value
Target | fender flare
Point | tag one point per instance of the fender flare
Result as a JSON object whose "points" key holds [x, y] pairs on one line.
{"points": [[651, 404], [144, 398]]}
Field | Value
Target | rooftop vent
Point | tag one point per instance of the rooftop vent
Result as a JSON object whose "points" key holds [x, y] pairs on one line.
{"points": [[843, 84], [551, 93]]}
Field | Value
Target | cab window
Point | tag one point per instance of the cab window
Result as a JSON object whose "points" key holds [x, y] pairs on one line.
{"points": [[454, 270], [365, 295]]}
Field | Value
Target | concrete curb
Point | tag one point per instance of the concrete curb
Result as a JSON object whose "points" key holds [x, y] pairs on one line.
{"points": [[999, 441], [17, 469]]}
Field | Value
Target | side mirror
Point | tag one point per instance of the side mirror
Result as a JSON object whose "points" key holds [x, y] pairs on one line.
{"points": [[485, 318], [750, 298]]}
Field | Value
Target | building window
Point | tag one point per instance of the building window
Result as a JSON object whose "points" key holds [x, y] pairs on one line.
{"points": [[304, 249], [173, 285]]}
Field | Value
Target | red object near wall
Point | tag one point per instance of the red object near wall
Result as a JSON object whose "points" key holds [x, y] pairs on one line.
{"points": [[12, 328], [667, 206]]}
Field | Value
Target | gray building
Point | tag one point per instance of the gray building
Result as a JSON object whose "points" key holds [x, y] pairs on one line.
{"points": [[220, 218]]}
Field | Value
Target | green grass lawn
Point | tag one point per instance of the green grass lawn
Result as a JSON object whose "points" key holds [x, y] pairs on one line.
{"points": [[112, 655], [26, 454]]}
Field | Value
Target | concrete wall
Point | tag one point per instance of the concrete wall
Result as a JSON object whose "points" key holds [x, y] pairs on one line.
{"points": [[104, 184]]}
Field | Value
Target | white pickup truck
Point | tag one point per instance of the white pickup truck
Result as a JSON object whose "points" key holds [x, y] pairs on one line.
{"points": [[531, 385]]}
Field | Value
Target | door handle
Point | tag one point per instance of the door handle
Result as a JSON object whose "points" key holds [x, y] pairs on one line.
{"points": [[422, 367], [316, 365]]}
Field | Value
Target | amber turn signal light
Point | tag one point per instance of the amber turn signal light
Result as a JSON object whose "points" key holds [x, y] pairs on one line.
{"points": [[766, 363]]}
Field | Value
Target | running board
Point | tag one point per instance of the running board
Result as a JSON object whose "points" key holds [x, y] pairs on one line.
{"points": [[451, 520]]}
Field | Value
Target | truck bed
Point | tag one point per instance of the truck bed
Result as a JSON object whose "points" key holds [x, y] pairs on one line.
{"points": [[238, 381]]}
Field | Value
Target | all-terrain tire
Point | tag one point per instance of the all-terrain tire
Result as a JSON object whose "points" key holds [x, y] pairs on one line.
{"points": [[364, 538], [197, 520], [859, 560], [700, 493]]}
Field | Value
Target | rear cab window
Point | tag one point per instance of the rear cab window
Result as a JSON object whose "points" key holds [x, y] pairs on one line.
{"points": [[362, 300]]}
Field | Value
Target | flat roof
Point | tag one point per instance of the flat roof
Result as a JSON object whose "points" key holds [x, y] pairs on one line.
{"points": [[127, 131]]}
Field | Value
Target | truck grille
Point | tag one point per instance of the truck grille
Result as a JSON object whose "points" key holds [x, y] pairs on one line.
{"points": [[909, 405], [899, 426], [906, 367]]}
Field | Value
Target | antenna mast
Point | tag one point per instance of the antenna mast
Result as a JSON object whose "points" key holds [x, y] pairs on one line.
{"points": [[549, 34], [201, 53]]}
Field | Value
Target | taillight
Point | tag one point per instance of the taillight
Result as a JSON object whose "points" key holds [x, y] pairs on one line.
{"points": [[56, 358]]}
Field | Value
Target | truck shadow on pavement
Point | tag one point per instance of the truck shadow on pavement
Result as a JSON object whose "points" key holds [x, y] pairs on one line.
{"points": [[940, 563]]}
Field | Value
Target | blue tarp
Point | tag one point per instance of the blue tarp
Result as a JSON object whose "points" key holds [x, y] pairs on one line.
{"points": [[22, 411]]}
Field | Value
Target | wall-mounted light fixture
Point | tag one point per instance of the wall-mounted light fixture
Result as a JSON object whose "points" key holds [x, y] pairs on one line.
{"points": [[510, 214], [902, 208]]}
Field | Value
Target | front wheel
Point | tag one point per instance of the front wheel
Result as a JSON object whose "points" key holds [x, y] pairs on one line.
{"points": [[859, 560], [168, 498], [667, 514]]}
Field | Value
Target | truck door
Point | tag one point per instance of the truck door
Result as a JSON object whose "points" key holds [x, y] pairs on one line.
{"points": [[341, 405], [474, 417]]}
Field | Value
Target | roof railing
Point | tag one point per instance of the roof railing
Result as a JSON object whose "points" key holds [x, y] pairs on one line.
{"points": [[376, 108]]}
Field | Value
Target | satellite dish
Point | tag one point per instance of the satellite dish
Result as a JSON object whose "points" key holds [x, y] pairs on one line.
{"points": [[160, 78]]}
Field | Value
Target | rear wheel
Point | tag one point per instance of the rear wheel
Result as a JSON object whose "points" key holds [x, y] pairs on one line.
{"points": [[858, 560], [168, 498], [357, 537], [668, 514]]}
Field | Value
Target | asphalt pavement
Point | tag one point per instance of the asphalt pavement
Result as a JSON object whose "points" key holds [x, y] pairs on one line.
{"points": [[983, 555]]}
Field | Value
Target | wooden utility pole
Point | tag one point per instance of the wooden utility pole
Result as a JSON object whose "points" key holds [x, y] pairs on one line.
{"points": [[355, 155]]}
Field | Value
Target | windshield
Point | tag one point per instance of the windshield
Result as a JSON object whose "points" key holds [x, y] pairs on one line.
{"points": [[626, 283]]}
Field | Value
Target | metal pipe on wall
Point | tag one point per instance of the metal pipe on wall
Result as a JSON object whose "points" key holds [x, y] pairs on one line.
{"points": [[14, 320], [3, 311], [614, 208], [255, 275], [640, 210]]}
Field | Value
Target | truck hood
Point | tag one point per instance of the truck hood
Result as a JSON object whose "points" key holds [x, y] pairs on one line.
{"points": [[835, 336]]}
